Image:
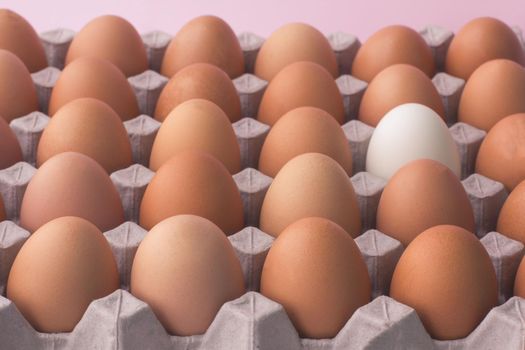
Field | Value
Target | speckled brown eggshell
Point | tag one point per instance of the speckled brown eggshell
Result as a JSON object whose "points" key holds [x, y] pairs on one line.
{"points": [[394, 86], [511, 221], [479, 41], [185, 269], [197, 124], [291, 43], [519, 283], [301, 84], [447, 276], [90, 127], [311, 184], [19, 37], [315, 270], [111, 38], [17, 91], [205, 39], [59, 271], [422, 194], [193, 182], [71, 184], [391, 45], [10, 151], [495, 90], [304, 130], [199, 80], [97, 78], [501, 156]]}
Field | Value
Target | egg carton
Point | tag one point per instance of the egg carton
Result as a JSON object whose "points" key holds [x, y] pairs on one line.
{"points": [[253, 321]]}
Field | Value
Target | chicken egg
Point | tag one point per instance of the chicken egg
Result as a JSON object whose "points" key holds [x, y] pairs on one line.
{"points": [[304, 130], [205, 39], [511, 221], [408, 132], [447, 276], [391, 45], [519, 283], [11, 152], [111, 38], [315, 270], [199, 80], [301, 84], [311, 184], [62, 267], [73, 184], [186, 269], [291, 43], [95, 77]]}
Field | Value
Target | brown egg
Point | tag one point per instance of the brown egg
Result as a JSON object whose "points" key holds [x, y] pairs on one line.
{"points": [[479, 41], [185, 269], [200, 80], [71, 183], [396, 85], [315, 270], [193, 182], [311, 184], [431, 193], [519, 283], [90, 127], [205, 39], [3, 215], [494, 91], [391, 45], [304, 130], [10, 151], [501, 156], [111, 38], [201, 125], [291, 43], [511, 221], [17, 92], [301, 84], [60, 270], [447, 276], [19, 37], [98, 78]]}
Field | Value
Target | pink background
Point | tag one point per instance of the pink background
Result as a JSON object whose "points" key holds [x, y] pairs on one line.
{"points": [[261, 17]]}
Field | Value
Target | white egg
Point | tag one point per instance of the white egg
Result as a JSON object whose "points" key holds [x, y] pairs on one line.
{"points": [[408, 132]]}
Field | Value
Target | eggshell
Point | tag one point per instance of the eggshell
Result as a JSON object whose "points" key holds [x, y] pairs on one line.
{"points": [[519, 284], [291, 43], [408, 132], [394, 86], [501, 155], [304, 130], [201, 125], [10, 151], [200, 80], [71, 183], [315, 270], [479, 41], [90, 127], [17, 92], [431, 193], [111, 38], [19, 37], [311, 184], [494, 91], [301, 84], [511, 221], [59, 271], [447, 276], [186, 269], [2, 210], [193, 182], [98, 78], [205, 39], [391, 45]]}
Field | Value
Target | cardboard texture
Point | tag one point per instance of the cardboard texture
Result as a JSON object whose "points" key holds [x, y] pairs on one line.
{"points": [[121, 321]]}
